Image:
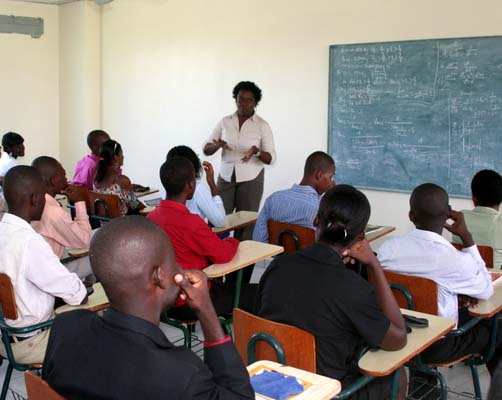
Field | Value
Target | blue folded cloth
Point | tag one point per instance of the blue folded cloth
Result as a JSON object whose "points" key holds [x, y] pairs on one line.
{"points": [[275, 385]]}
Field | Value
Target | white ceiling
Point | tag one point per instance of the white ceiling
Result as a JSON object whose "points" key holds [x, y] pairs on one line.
{"points": [[54, 2]]}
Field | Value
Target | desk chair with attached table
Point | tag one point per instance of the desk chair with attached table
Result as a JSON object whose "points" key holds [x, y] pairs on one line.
{"points": [[420, 294], [84, 192], [262, 339], [291, 237], [9, 311], [38, 389], [104, 206]]}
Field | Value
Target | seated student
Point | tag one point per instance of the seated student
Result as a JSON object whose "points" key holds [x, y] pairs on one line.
{"points": [[195, 245], [206, 200], [313, 290], [56, 226], [124, 354], [13, 147], [424, 252], [484, 221], [86, 167], [108, 177], [299, 204], [36, 273]]}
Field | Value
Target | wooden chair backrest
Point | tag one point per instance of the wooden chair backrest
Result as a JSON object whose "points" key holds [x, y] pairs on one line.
{"points": [[486, 253], [298, 345], [280, 233], [38, 389], [7, 297], [424, 292], [111, 200], [84, 192]]}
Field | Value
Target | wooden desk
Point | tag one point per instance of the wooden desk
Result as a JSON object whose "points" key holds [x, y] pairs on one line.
{"points": [[488, 308], [382, 362], [96, 301], [378, 233], [237, 220], [146, 193], [147, 210], [249, 252], [317, 387]]}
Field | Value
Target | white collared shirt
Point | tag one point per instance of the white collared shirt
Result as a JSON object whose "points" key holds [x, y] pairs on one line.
{"points": [[429, 255], [36, 273], [255, 131], [6, 163]]}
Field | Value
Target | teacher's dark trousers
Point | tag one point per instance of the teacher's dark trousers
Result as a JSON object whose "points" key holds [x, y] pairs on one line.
{"points": [[242, 196]]}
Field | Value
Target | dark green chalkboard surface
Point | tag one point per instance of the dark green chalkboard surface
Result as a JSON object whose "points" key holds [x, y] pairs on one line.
{"points": [[404, 113]]}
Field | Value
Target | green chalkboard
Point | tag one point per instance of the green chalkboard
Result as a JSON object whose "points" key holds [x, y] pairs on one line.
{"points": [[404, 113]]}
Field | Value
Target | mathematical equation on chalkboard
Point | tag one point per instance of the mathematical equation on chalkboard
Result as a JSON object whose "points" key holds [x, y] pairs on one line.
{"points": [[404, 113]]}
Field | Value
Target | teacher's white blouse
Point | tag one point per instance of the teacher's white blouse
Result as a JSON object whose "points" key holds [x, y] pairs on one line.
{"points": [[254, 132]]}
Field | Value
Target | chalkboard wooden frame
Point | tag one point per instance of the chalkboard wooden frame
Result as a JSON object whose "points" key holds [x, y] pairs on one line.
{"points": [[379, 141]]}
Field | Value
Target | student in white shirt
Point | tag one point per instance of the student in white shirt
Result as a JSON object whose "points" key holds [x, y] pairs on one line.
{"points": [[206, 200], [36, 273], [424, 252], [247, 145], [13, 146]]}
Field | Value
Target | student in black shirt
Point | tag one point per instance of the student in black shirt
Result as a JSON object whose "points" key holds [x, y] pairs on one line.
{"points": [[124, 354], [314, 290]]}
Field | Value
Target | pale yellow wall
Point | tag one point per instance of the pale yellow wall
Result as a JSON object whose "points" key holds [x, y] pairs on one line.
{"points": [[80, 78], [29, 81], [169, 67]]}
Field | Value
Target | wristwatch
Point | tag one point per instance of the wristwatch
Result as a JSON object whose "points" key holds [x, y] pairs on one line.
{"points": [[258, 154]]}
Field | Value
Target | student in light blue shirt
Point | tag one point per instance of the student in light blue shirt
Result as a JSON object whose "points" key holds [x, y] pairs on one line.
{"points": [[206, 200], [299, 204]]}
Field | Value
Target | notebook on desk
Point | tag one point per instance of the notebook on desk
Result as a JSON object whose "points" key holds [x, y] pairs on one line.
{"points": [[261, 369]]}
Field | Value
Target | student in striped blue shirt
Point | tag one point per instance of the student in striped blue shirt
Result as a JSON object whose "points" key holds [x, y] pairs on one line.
{"points": [[299, 204]]}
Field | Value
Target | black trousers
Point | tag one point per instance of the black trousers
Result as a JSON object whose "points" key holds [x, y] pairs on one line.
{"points": [[475, 340]]}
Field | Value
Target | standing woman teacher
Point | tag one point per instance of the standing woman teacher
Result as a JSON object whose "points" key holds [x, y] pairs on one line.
{"points": [[247, 145]]}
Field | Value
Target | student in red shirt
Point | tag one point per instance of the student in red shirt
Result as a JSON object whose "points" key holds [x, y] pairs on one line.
{"points": [[195, 244]]}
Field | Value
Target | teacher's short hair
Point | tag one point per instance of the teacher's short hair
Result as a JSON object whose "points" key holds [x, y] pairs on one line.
{"points": [[175, 173], [250, 87]]}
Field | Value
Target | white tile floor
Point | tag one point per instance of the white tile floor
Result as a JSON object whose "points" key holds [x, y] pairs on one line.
{"points": [[458, 378]]}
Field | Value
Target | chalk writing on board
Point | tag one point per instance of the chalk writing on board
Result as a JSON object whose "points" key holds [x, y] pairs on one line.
{"points": [[404, 113]]}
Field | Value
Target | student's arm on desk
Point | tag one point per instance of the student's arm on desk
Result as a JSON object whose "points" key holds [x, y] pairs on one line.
{"points": [[75, 234], [208, 244], [395, 337], [473, 279], [226, 377], [45, 271], [260, 231]]}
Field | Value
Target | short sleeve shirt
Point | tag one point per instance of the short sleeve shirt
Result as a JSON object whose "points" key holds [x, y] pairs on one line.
{"points": [[313, 290]]}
